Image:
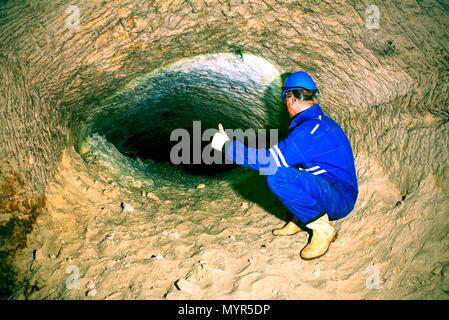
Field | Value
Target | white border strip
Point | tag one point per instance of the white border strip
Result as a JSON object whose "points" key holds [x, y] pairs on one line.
{"points": [[313, 168], [314, 129], [281, 156], [319, 172], [275, 157]]}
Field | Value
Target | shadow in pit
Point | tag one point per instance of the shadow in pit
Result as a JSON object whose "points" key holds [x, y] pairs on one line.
{"points": [[252, 187]]}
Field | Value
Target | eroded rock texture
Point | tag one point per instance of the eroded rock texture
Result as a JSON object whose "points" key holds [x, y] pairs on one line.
{"points": [[59, 83]]}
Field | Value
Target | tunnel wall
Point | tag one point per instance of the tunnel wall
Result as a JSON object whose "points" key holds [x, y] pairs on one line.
{"points": [[387, 87]]}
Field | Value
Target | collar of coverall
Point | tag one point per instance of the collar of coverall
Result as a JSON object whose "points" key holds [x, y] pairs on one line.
{"points": [[311, 112]]}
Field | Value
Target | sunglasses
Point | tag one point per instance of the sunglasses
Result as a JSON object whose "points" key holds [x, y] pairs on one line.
{"points": [[302, 91]]}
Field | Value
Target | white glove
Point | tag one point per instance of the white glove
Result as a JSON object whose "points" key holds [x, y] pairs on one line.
{"points": [[219, 139]]}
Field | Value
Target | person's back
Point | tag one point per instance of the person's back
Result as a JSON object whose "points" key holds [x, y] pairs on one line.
{"points": [[324, 147]]}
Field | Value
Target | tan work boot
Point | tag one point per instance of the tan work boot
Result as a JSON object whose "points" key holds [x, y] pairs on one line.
{"points": [[323, 233], [289, 229]]}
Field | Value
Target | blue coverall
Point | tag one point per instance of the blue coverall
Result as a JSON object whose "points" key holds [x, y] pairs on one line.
{"points": [[314, 167]]}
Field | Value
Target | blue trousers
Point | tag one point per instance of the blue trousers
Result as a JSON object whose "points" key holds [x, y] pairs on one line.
{"points": [[310, 196]]}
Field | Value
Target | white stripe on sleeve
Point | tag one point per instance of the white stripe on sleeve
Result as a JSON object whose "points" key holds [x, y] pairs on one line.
{"points": [[281, 156], [313, 168], [319, 172], [314, 129], [275, 157]]}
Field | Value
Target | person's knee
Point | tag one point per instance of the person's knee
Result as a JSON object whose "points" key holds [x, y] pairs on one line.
{"points": [[274, 180]]}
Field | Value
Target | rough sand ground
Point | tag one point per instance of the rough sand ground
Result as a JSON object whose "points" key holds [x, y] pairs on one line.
{"points": [[216, 242]]}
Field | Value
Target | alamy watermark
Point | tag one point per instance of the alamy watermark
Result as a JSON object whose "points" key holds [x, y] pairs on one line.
{"points": [[372, 21], [189, 149], [373, 281], [72, 282], [74, 16]]}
